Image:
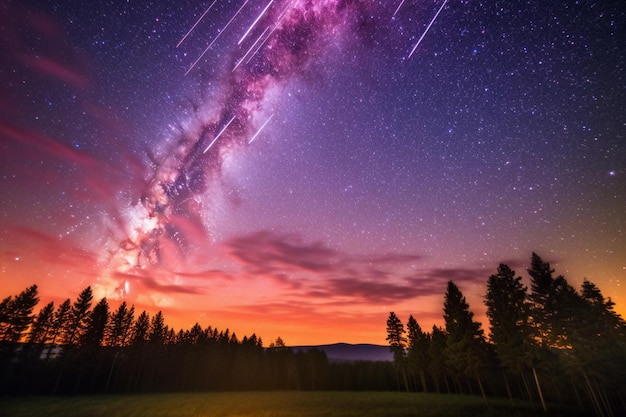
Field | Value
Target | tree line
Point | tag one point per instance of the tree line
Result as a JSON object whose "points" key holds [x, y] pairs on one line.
{"points": [[550, 344], [79, 348]]}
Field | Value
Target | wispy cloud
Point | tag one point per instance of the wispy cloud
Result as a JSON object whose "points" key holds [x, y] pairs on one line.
{"points": [[315, 271], [157, 284]]}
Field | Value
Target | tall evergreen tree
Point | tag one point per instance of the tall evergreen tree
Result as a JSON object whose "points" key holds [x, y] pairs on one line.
{"points": [[42, 326], [395, 337], [158, 329], [542, 298], [598, 346], [508, 311], [418, 350], [141, 327], [17, 314], [118, 329], [465, 344], [5, 314], [397, 344], [437, 355], [95, 325], [60, 320], [78, 317]]}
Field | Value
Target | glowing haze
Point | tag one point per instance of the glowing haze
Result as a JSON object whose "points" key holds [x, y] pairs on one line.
{"points": [[300, 168]]}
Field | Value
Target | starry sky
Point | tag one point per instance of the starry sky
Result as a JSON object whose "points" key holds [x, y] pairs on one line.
{"points": [[301, 168]]}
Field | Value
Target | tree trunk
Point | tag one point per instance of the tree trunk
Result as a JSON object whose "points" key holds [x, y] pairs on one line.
{"points": [[543, 403], [406, 382], [436, 384], [594, 397], [445, 379], [508, 388], [529, 392], [482, 390], [423, 378]]}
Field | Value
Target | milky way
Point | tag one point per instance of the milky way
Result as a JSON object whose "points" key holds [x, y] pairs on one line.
{"points": [[288, 36]]}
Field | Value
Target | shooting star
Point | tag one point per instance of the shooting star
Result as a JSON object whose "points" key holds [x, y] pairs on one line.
{"points": [[258, 48], [261, 128], [252, 47], [217, 37], [219, 134], [255, 22], [196, 24], [427, 28], [281, 17], [398, 8]]}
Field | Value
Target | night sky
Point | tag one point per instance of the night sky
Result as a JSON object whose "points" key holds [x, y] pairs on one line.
{"points": [[300, 168]]}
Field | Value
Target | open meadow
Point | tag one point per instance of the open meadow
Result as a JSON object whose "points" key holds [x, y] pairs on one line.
{"points": [[271, 404]]}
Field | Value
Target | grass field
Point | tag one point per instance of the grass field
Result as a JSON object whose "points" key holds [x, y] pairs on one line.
{"points": [[270, 404]]}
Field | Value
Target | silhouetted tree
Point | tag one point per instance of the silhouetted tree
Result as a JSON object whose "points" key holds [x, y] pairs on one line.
{"points": [[41, 329], [59, 322], [397, 345], [119, 326], [509, 314], [597, 337], [418, 350], [437, 355], [17, 314], [542, 298], [465, 344], [158, 330], [95, 325], [5, 314], [78, 317], [141, 327], [278, 343]]}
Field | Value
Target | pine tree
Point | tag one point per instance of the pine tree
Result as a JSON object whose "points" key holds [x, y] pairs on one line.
{"points": [[508, 311], [118, 329], [158, 329], [418, 350], [95, 325], [542, 298], [397, 344], [5, 314], [60, 320], [17, 314], [437, 355], [139, 333], [598, 340], [465, 344], [41, 329], [78, 317]]}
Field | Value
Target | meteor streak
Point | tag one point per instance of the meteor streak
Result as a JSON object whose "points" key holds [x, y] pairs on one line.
{"points": [[427, 28], [196, 24], [255, 22], [281, 17], [397, 8], [252, 47], [261, 128], [219, 134], [217, 37]]}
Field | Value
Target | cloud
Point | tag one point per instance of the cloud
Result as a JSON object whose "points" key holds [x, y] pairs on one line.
{"points": [[459, 276], [264, 252], [313, 270], [147, 281], [52, 250]]}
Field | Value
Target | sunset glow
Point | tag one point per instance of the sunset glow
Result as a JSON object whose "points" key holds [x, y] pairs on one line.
{"points": [[322, 164]]}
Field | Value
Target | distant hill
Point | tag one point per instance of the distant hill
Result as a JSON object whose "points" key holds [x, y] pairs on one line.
{"points": [[345, 352]]}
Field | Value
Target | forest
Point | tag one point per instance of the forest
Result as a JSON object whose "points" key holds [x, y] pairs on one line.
{"points": [[550, 344]]}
